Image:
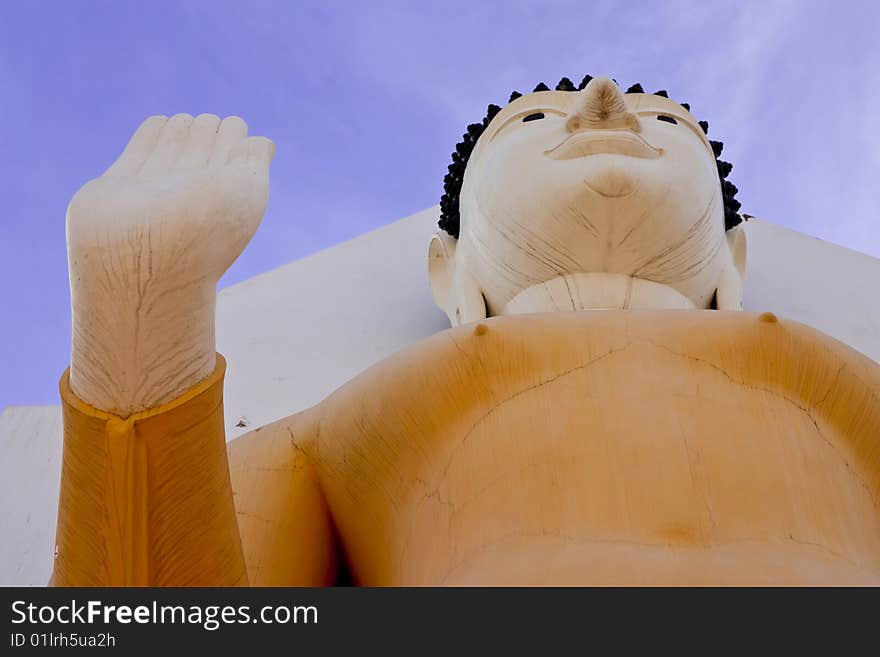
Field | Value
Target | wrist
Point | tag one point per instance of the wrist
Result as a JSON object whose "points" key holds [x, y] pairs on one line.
{"points": [[138, 340]]}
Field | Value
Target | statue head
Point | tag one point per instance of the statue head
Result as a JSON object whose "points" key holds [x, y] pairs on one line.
{"points": [[587, 197]]}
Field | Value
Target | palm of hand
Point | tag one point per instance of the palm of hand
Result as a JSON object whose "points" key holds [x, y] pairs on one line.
{"points": [[187, 194], [147, 242]]}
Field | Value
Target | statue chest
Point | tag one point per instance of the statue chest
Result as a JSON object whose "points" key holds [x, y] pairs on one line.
{"points": [[650, 443]]}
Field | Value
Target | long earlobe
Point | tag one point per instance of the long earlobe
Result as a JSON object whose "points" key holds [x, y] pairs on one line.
{"points": [[469, 306], [730, 284], [441, 251], [454, 290]]}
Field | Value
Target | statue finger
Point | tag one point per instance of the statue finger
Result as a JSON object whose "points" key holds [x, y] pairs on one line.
{"points": [[256, 151], [138, 149], [200, 142], [232, 130], [169, 147]]}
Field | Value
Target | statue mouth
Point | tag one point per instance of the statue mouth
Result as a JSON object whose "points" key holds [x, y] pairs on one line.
{"points": [[603, 142]]}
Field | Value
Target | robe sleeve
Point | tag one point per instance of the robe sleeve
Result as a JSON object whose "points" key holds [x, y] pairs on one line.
{"points": [[146, 500]]}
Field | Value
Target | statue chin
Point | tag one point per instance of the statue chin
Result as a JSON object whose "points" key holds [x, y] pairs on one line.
{"points": [[611, 176]]}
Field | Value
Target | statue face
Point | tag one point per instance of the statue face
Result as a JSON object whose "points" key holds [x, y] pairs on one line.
{"points": [[592, 181]]}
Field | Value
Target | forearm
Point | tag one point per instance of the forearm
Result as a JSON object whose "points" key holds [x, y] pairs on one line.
{"points": [[145, 493], [138, 340]]}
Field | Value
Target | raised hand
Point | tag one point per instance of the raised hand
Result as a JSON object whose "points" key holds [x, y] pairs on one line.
{"points": [[147, 242]]}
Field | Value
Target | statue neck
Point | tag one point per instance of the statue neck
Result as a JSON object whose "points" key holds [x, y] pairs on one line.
{"points": [[595, 291]]}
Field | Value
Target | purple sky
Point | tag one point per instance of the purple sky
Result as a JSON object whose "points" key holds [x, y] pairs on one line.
{"points": [[365, 101]]}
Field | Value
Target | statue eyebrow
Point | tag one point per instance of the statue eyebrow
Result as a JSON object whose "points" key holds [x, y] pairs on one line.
{"points": [[681, 118], [667, 111], [526, 111]]}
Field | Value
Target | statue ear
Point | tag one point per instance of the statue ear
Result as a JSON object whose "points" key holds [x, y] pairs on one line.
{"points": [[454, 290], [730, 285], [440, 263]]}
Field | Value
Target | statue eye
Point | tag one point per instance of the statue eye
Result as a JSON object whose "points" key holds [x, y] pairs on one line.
{"points": [[668, 119], [533, 117]]}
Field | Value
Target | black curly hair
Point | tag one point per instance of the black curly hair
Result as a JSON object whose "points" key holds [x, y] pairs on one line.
{"points": [[450, 218]]}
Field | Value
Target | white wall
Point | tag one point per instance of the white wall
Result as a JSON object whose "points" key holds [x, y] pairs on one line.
{"points": [[831, 288], [293, 335], [30, 442]]}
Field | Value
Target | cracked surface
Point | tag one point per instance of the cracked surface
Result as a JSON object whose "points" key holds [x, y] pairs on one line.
{"points": [[616, 447], [147, 242]]}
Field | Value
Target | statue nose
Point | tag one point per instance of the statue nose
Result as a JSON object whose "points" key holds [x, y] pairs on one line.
{"points": [[602, 106]]}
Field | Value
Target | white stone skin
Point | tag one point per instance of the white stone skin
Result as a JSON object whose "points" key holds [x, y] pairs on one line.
{"points": [[597, 205], [147, 242]]}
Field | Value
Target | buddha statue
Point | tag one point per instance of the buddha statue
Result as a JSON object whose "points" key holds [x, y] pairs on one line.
{"points": [[601, 411]]}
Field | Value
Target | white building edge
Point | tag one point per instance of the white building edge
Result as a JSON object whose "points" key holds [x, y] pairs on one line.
{"points": [[294, 334]]}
